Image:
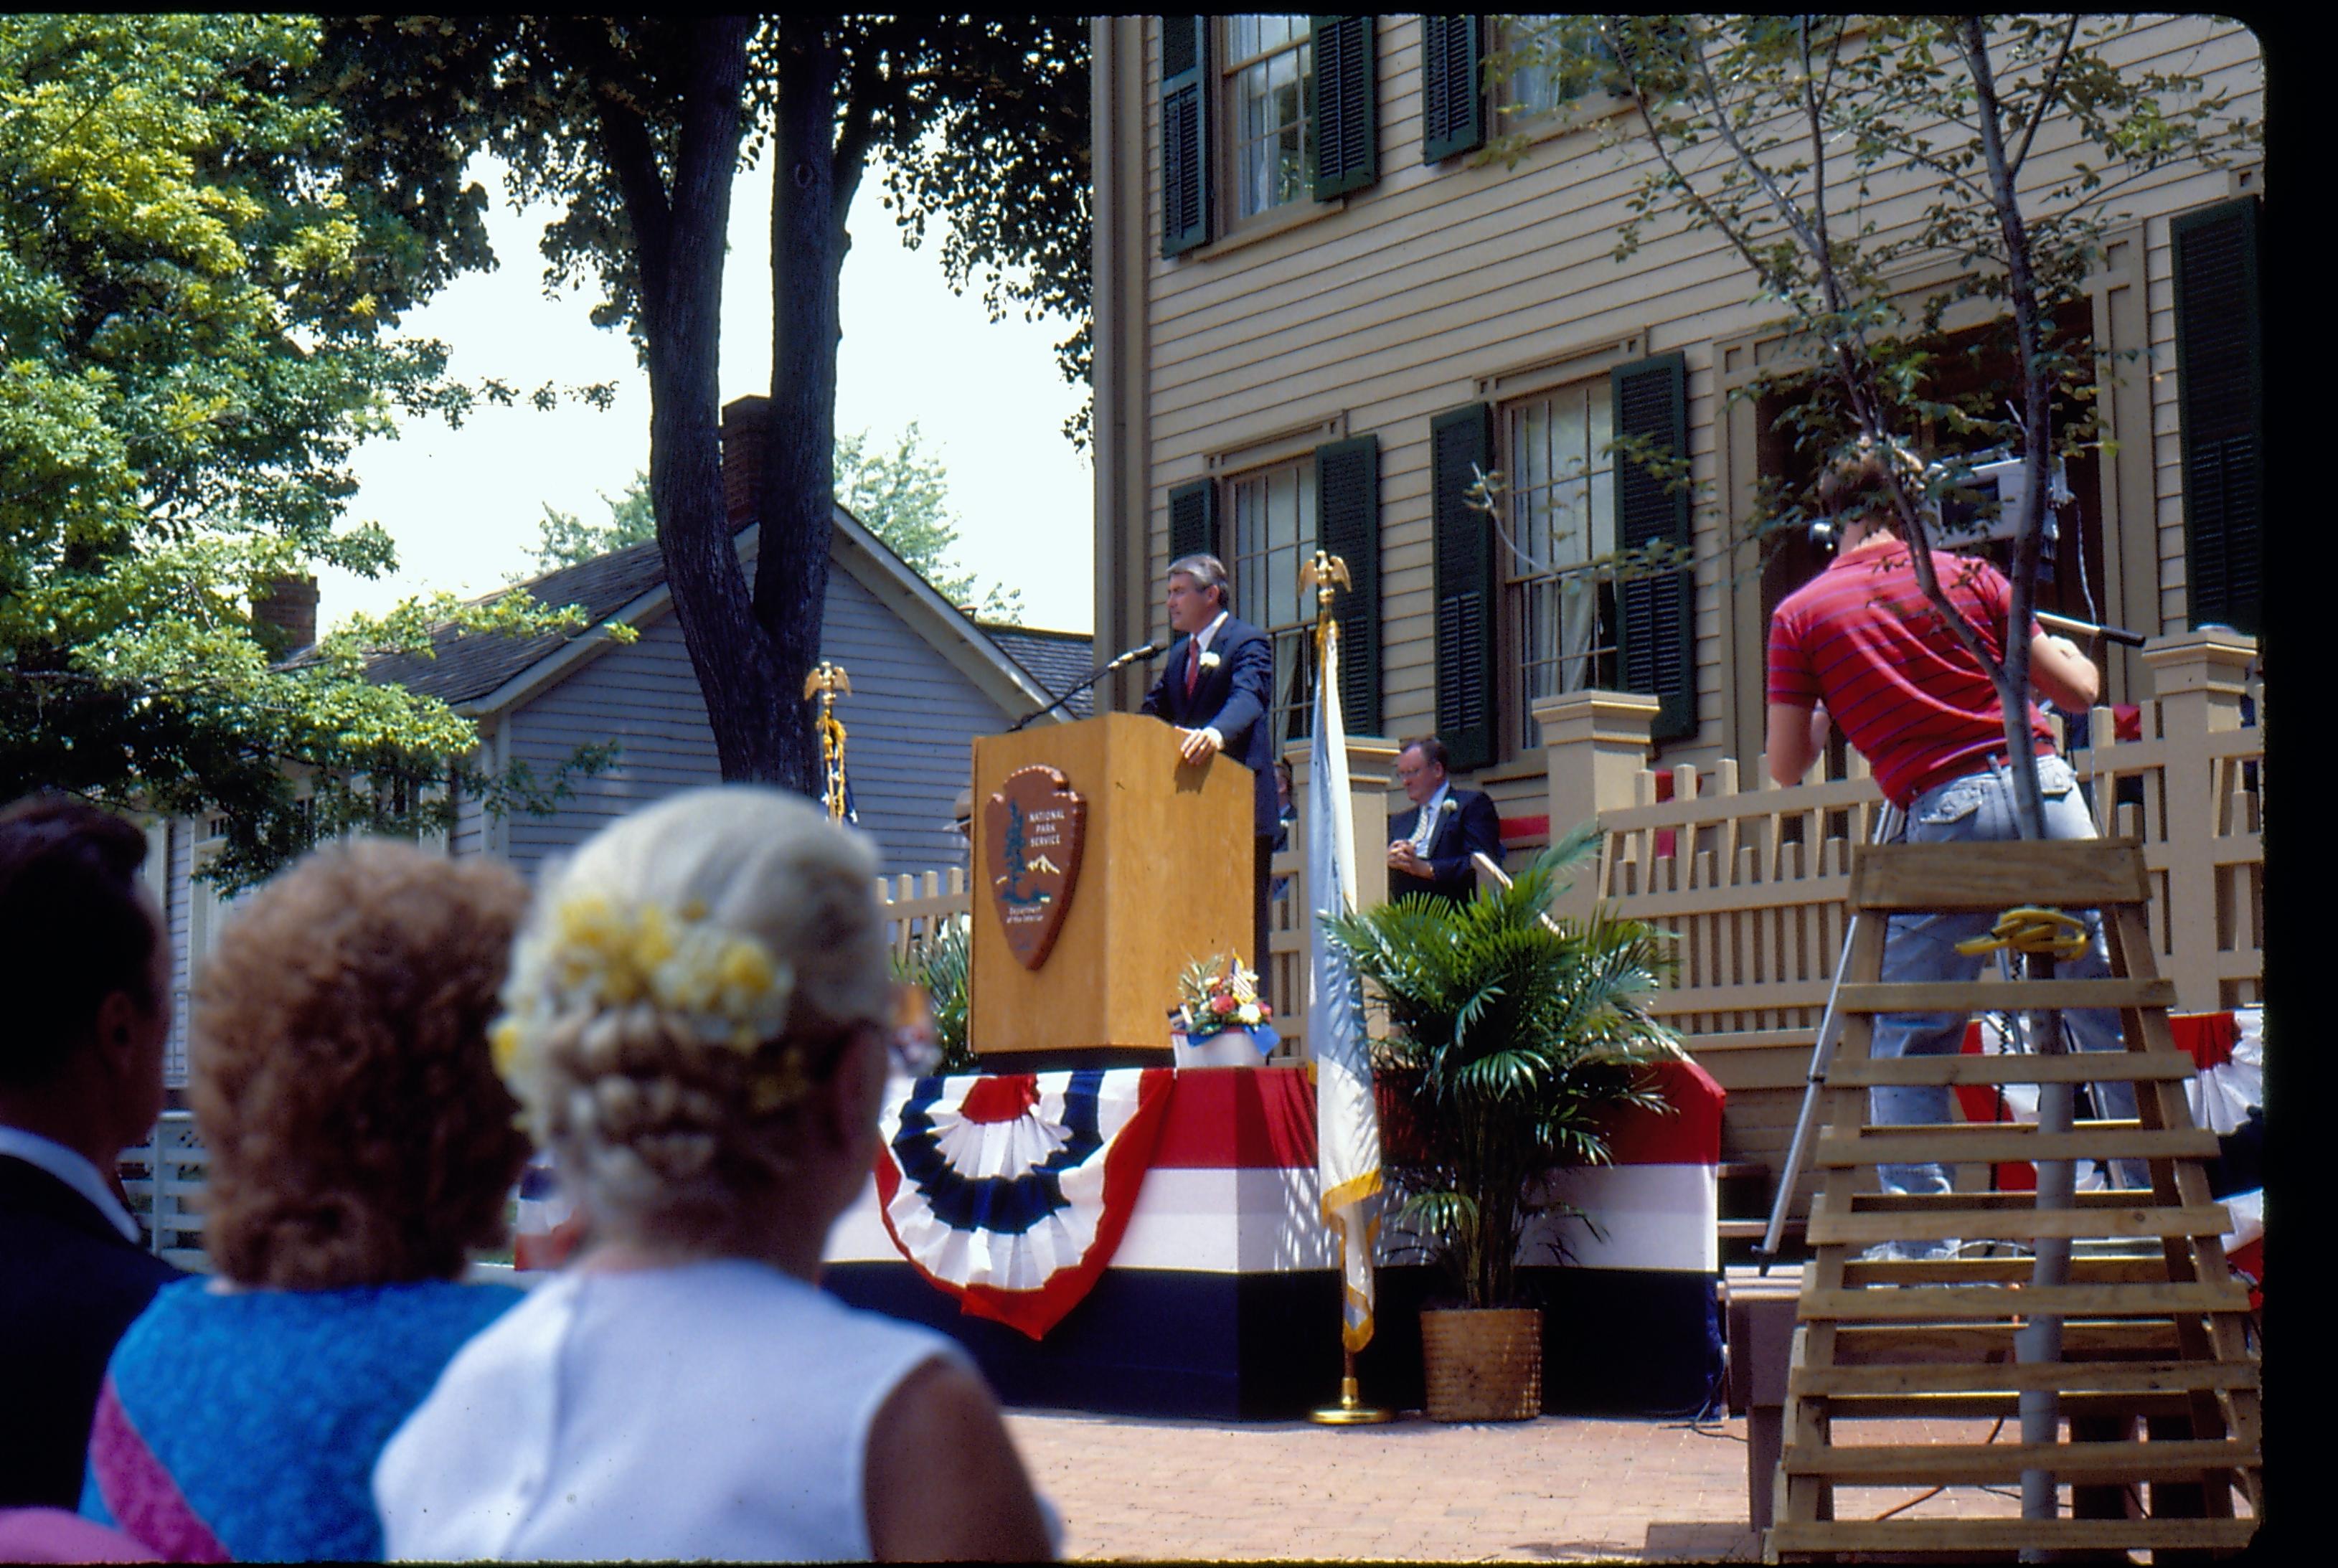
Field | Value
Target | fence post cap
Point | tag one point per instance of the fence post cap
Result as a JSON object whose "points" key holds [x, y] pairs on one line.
{"points": [[1367, 754], [2209, 658], [1616, 718]]}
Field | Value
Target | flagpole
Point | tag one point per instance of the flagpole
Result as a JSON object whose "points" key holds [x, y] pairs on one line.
{"points": [[1351, 1410], [1325, 573], [827, 682]]}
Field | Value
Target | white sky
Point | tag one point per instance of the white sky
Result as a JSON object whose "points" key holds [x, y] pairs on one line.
{"points": [[464, 504]]}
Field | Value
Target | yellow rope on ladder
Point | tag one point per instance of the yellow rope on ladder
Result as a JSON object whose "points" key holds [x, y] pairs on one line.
{"points": [[2028, 929]]}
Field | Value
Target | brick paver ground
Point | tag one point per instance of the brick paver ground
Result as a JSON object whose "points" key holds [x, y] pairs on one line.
{"points": [[1556, 1489]]}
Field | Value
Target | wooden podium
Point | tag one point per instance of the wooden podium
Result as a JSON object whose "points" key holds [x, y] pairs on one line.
{"points": [[1163, 880]]}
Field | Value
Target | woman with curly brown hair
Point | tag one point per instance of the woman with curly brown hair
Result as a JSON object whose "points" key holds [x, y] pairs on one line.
{"points": [[361, 1145], [697, 1021]]}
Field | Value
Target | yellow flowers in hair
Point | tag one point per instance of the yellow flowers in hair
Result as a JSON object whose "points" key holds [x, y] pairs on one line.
{"points": [[719, 987]]}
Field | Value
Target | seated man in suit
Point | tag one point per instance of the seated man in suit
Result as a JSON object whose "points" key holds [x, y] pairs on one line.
{"points": [[1218, 690], [87, 976], [1431, 844]]}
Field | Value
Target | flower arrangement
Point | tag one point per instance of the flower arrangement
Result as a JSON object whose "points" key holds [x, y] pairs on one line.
{"points": [[593, 955], [1221, 995]]}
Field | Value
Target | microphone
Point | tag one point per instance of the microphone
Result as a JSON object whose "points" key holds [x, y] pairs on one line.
{"points": [[1142, 651]]}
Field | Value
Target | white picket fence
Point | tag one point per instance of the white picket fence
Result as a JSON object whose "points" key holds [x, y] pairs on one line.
{"points": [[162, 1178]]}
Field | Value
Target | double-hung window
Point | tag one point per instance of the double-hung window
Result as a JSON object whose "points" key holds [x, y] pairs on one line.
{"points": [[1529, 603], [1558, 526], [1261, 114], [1269, 97], [1556, 60], [1273, 513]]}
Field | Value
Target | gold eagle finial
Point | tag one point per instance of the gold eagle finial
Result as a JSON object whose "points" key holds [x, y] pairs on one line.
{"points": [[828, 681], [1324, 573]]}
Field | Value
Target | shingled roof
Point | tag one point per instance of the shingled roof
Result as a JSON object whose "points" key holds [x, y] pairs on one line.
{"points": [[1057, 661], [469, 665]]}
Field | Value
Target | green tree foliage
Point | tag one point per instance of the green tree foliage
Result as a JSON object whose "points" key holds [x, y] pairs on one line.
{"points": [[197, 314], [1837, 157], [564, 539], [636, 128], [901, 495]]}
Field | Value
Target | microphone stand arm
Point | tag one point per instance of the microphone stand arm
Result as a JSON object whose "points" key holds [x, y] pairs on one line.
{"points": [[1041, 712]]}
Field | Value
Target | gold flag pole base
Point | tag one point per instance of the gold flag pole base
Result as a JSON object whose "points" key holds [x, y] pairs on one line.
{"points": [[1351, 1411]]}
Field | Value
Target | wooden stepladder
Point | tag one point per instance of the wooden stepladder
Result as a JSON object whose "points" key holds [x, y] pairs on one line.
{"points": [[2155, 1326]]}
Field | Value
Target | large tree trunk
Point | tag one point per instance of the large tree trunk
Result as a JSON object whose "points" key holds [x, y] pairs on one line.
{"points": [[808, 201], [682, 243]]}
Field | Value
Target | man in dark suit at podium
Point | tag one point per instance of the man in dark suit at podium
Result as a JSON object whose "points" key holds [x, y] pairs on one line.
{"points": [[1218, 690], [1430, 846], [88, 981]]}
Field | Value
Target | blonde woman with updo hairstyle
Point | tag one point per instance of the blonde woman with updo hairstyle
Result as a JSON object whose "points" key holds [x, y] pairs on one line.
{"points": [[696, 1023], [359, 1145]]}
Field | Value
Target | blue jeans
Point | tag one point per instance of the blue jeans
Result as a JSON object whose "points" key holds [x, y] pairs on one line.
{"points": [[1981, 809]]}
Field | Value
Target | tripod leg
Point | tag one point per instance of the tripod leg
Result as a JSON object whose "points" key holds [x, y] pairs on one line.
{"points": [[1888, 823]]}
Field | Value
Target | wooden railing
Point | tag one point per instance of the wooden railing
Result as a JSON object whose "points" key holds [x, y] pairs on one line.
{"points": [[161, 1178], [1749, 878], [915, 906]]}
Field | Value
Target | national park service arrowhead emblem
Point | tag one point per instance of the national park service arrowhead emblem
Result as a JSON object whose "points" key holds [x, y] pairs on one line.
{"points": [[1033, 825]]}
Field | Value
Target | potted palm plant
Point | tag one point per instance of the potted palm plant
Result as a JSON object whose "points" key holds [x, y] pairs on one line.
{"points": [[1513, 1034], [939, 966]]}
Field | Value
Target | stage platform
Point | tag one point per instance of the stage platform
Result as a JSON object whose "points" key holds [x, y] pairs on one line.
{"points": [[1220, 1299]]}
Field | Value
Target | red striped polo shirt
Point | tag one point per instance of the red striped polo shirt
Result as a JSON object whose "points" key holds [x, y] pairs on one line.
{"points": [[1860, 637]]}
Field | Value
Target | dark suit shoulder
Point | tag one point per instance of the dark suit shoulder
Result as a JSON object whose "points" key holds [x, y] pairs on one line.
{"points": [[70, 1285], [39, 1212]]}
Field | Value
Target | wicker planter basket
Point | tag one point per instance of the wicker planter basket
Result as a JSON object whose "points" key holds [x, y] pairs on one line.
{"points": [[1483, 1364]]}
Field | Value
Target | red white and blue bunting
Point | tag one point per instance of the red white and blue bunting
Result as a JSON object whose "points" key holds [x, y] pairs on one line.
{"points": [[1009, 1192]]}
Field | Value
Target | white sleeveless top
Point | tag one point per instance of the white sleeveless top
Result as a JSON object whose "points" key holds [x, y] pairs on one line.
{"points": [[717, 1409]]}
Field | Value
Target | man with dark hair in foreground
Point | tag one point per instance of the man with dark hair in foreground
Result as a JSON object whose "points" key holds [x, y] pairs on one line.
{"points": [[87, 976]]}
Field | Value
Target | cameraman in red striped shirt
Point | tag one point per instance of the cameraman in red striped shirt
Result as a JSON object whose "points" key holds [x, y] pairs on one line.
{"points": [[1860, 646]]}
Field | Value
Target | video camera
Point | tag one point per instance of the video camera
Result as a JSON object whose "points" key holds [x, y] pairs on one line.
{"points": [[1981, 501]]}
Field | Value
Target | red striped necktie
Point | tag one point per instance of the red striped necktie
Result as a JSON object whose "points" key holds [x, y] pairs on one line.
{"points": [[1193, 664]]}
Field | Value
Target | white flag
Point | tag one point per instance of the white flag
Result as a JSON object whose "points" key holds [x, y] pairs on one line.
{"points": [[1347, 1119]]}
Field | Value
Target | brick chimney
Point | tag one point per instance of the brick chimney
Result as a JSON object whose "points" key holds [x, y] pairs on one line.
{"points": [[744, 420], [284, 611]]}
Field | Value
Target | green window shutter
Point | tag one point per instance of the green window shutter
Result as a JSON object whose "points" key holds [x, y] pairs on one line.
{"points": [[1452, 94], [1347, 108], [1348, 524], [1194, 520], [1458, 439], [1184, 133], [2220, 408], [1656, 615]]}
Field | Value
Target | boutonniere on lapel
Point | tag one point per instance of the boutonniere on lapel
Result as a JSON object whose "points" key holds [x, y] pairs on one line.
{"points": [[1210, 660], [1446, 809]]}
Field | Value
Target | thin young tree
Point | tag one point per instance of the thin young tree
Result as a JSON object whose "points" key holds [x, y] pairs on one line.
{"points": [[1832, 154]]}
